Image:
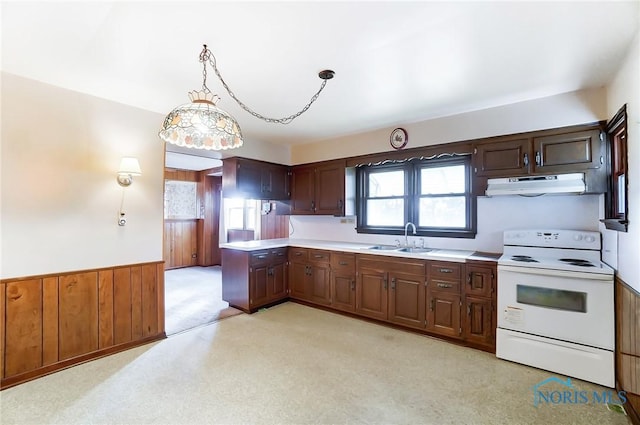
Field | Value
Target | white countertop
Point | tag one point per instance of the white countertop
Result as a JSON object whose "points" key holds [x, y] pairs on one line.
{"points": [[453, 255]]}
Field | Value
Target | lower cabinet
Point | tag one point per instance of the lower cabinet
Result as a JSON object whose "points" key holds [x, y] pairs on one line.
{"points": [[343, 281], [443, 298], [479, 309], [406, 299], [251, 280], [310, 275]]}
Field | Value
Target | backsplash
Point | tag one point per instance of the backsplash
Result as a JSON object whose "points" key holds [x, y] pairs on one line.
{"points": [[494, 216]]}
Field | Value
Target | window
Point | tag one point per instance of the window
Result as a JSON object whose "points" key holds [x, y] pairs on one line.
{"points": [[240, 214], [433, 194], [617, 208]]}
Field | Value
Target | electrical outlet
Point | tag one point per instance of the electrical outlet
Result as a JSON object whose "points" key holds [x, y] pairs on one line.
{"points": [[121, 219], [194, 255]]}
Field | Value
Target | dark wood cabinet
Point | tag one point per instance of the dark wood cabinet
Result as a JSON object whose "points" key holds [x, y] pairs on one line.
{"points": [[318, 188], [251, 280], [443, 298], [568, 153], [392, 289], [310, 275], [407, 299], [502, 159], [254, 179], [479, 306], [343, 281], [579, 149]]}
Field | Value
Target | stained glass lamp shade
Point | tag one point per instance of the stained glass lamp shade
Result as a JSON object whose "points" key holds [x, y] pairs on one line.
{"points": [[201, 125]]}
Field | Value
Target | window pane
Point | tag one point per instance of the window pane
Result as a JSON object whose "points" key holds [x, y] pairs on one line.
{"points": [[386, 183], [447, 211], [440, 180], [251, 217], [385, 212], [235, 218]]}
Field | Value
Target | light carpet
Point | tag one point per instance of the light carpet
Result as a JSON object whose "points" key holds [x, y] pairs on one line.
{"points": [[193, 297], [293, 364]]}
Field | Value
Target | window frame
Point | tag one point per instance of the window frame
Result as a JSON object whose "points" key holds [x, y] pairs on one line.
{"points": [[617, 165], [412, 197]]}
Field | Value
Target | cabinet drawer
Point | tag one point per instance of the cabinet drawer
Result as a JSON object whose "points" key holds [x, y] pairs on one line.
{"points": [[343, 262], [442, 285], [259, 257], [279, 254], [298, 254], [319, 256], [447, 271]]}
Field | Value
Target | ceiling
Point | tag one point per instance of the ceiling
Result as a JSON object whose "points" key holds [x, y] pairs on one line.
{"points": [[395, 62]]}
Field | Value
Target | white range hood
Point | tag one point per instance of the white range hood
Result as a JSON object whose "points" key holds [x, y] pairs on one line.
{"points": [[537, 185]]}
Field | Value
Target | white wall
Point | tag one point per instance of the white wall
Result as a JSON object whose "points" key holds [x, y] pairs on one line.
{"points": [[625, 88], [494, 216], [550, 112], [59, 196]]}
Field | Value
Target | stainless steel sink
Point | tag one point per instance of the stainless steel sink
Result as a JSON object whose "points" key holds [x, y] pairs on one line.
{"points": [[384, 247], [414, 249]]}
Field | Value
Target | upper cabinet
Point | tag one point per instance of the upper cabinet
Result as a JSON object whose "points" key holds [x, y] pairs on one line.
{"points": [[249, 178], [319, 188], [559, 151]]}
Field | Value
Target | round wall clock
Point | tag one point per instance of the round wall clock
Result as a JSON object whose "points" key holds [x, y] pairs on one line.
{"points": [[399, 138]]}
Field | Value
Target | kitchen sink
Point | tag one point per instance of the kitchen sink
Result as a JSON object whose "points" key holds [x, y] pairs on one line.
{"points": [[414, 249], [384, 247]]}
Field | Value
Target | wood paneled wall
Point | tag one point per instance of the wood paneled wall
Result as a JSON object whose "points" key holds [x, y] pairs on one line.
{"points": [[51, 322], [628, 346], [180, 243], [273, 226], [209, 189]]}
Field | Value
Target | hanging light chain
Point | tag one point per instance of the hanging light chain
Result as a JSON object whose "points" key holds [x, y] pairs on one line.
{"points": [[207, 56]]}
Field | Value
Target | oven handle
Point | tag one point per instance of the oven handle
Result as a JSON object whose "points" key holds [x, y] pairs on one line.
{"points": [[608, 278]]}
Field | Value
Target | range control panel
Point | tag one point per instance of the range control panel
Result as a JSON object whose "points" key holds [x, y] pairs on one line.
{"points": [[579, 239]]}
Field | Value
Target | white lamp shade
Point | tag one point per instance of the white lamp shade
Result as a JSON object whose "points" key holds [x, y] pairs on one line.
{"points": [[130, 166]]}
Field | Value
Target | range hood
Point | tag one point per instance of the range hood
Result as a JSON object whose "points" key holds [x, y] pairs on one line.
{"points": [[537, 185]]}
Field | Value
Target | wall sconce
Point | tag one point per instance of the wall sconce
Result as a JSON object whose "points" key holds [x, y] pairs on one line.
{"points": [[129, 167]]}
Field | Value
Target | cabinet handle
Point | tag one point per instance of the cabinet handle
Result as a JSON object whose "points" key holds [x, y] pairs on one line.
{"points": [[261, 257], [340, 204], [469, 278], [444, 285], [297, 254], [446, 270], [318, 256], [270, 271], [393, 283], [280, 254], [343, 263], [431, 305], [385, 283], [313, 205], [469, 310], [525, 159], [353, 285], [538, 158]]}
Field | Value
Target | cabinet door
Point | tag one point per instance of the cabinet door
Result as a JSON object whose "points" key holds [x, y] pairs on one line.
{"points": [[569, 152], [302, 190], [275, 183], [259, 293], [407, 300], [320, 284], [298, 277], [249, 178], [480, 280], [502, 159], [371, 294], [277, 282], [478, 323], [343, 292], [443, 316], [329, 188]]}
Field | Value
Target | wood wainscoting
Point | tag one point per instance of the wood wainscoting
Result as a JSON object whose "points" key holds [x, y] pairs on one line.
{"points": [[51, 322], [628, 346]]}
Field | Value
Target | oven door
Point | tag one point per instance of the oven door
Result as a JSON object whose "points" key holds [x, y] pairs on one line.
{"points": [[569, 306]]}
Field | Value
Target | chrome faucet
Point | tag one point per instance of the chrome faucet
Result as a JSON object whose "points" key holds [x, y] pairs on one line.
{"points": [[406, 229]]}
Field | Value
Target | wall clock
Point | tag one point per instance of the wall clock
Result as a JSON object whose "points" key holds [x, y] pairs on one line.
{"points": [[399, 138]]}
